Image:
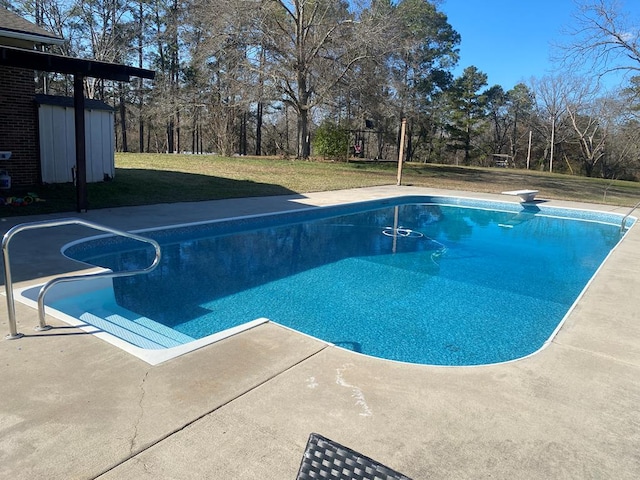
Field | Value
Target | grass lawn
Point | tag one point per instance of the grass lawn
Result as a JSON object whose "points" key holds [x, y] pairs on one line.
{"points": [[143, 179]]}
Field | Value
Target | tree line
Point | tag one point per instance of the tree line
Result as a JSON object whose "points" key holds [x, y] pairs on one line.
{"points": [[269, 77]]}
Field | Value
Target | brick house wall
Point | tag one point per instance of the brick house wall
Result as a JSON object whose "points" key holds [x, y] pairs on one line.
{"points": [[19, 126]]}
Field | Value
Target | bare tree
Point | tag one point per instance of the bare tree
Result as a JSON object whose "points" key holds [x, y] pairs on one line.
{"points": [[225, 58], [588, 117], [550, 95], [312, 46], [623, 155], [104, 27], [165, 42], [605, 39]]}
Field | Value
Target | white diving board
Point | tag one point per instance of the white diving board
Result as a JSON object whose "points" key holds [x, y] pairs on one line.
{"points": [[525, 195]]}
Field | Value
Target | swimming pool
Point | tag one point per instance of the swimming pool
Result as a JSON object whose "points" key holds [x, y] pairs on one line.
{"points": [[432, 280]]}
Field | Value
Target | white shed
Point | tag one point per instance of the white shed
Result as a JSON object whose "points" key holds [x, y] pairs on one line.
{"points": [[57, 139]]}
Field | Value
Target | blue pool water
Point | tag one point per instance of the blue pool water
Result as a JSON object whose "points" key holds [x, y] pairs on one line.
{"points": [[431, 280]]}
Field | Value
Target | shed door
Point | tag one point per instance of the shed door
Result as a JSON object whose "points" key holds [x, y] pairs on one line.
{"points": [[57, 143], [58, 148]]}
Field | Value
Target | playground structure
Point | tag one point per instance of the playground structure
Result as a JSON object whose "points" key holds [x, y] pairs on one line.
{"points": [[369, 143]]}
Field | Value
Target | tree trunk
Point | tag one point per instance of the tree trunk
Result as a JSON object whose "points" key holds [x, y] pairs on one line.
{"points": [[302, 109], [304, 146], [588, 169], [178, 146], [259, 129], [140, 81], [141, 131], [467, 147], [260, 107], [409, 148], [243, 134], [170, 144], [174, 67], [194, 135], [514, 138]]}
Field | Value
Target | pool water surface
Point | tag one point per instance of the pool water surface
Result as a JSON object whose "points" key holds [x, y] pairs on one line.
{"points": [[436, 281]]}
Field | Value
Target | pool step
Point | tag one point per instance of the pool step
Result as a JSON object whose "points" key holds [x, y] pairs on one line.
{"points": [[99, 309]]}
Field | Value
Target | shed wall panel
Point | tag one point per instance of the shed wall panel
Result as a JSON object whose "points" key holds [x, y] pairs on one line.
{"points": [[57, 144]]}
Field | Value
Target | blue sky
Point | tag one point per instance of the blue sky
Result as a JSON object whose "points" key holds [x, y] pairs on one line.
{"points": [[512, 40]]}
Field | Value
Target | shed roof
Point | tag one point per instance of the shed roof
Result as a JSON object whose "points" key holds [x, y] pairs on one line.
{"points": [[62, 101], [13, 26]]}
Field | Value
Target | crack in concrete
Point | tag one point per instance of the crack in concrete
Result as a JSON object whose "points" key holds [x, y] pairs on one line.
{"points": [[132, 455], [134, 437]]}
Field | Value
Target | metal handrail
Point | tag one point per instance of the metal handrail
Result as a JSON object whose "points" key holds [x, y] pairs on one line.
{"points": [[624, 219], [13, 331]]}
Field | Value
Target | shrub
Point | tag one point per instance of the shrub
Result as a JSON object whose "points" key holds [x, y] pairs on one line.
{"points": [[331, 141]]}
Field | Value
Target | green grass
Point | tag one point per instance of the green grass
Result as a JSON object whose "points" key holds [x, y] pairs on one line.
{"points": [[143, 179]]}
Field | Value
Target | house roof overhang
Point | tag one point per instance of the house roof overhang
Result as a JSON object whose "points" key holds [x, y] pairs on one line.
{"points": [[49, 62], [18, 31], [25, 38]]}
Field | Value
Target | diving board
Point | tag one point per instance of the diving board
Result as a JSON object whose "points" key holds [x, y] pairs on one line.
{"points": [[525, 195]]}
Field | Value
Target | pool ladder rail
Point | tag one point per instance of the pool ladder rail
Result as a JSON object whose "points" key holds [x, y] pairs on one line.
{"points": [[13, 331], [624, 219]]}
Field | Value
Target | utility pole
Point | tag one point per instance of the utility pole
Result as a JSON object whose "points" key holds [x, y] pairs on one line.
{"points": [[401, 150], [529, 150], [553, 141]]}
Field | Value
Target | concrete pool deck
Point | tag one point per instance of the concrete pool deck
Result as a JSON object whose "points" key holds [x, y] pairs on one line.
{"points": [[74, 406]]}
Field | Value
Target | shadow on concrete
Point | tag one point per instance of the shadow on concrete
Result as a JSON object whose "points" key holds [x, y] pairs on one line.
{"points": [[132, 187], [36, 253]]}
